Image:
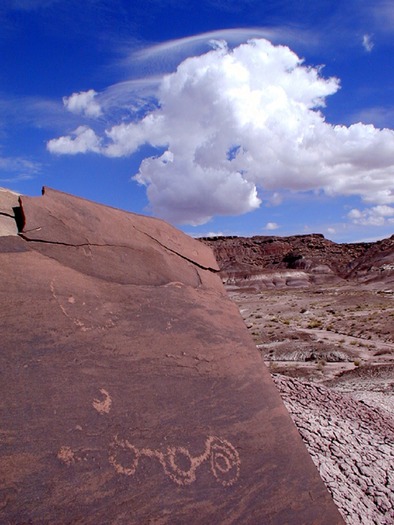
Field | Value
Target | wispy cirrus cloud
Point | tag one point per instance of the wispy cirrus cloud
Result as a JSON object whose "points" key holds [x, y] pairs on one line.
{"points": [[14, 169], [382, 12], [197, 44], [33, 111]]}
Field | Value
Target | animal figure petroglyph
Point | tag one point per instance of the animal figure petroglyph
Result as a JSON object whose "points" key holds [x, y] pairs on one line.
{"points": [[177, 462]]}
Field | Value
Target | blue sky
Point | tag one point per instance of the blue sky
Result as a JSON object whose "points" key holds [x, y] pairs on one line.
{"points": [[233, 118]]}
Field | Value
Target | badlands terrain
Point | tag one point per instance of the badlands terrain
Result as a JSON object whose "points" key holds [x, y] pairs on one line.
{"points": [[322, 316]]}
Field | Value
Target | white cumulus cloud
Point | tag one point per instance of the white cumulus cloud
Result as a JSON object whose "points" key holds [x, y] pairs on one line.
{"points": [[234, 125], [270, 226], [83, 103], [82, 140], [375, 216]]}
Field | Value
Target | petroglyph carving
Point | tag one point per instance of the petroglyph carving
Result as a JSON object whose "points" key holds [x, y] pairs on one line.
{"points": [[177, 462], [103, 406], [71, 305], [66, 456], [64, 310]]}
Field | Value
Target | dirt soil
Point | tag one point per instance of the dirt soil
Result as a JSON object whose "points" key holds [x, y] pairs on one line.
{"points": [[341, 336]]}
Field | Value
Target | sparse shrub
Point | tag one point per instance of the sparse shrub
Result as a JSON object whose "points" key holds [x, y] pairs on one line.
{"points": [[356, 362], [314, 323]]}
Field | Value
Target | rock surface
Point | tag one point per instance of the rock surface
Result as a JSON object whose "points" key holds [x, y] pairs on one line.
{"points": [[131, 391], [351, 443], [377, 264], [8, 200], [300, 260]]}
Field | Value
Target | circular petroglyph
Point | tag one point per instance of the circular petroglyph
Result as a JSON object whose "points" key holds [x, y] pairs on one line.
{"points": [[123, 456], [225, 461], [180, 466], [177, 462]]}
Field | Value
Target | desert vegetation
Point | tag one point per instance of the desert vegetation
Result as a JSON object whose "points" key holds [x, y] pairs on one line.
{"points": [[322, 333]]}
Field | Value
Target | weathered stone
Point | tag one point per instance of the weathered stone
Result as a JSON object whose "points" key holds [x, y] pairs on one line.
{"points": [[8, 201], [131, 391]]}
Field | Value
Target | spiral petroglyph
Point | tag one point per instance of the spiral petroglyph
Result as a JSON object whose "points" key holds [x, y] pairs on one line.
{"points": [[177, 462]]}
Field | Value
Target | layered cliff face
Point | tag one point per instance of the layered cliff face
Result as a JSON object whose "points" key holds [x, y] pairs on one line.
{"points": [[131, 391], [300, 260], [376, 264]]}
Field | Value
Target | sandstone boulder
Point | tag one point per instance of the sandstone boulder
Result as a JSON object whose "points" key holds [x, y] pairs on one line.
{"points": [[131, 391]]}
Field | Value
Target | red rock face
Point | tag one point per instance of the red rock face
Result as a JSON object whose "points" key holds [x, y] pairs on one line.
{"points": [[300, 260], [377, 264], [131, 391]]}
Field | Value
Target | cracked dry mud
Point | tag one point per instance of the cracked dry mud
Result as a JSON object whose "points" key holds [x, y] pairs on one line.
{"points": [[351, 445], [330, 351]]}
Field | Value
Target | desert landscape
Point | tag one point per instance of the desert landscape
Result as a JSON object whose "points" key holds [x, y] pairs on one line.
{"points": [[133, 382], [317, 310], [340, 336], [322, 317]]}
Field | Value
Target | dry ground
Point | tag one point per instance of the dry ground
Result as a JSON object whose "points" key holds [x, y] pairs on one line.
{"points": [[336, 345], [340, 336]]}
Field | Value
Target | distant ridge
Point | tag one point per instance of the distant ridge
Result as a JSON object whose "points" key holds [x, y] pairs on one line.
{"points": [[301, 260]]}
